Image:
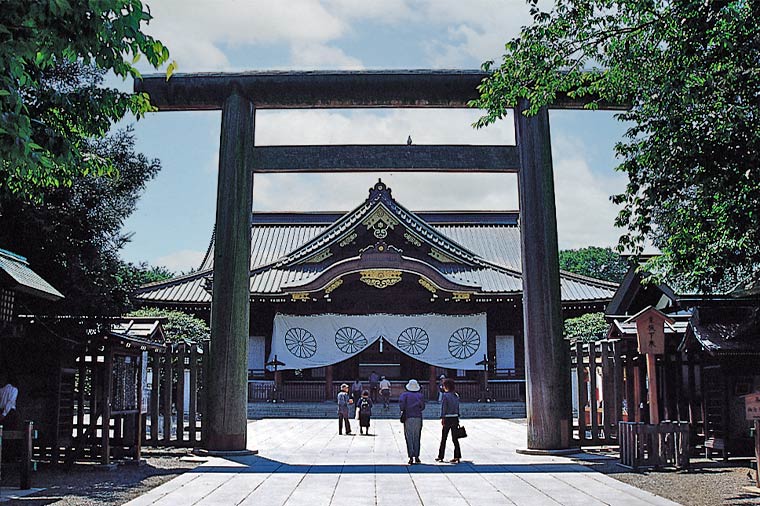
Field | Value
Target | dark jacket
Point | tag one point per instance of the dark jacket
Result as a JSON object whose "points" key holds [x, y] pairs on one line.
{"points": [[450, 405], [412, 403]]}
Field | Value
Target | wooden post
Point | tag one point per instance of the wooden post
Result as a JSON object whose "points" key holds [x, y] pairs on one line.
{"points": [[637, 398], [181, 392], [230, 301], [654, 406], [593, 401], [105, 456], [193, 393], [26, 456], [154, 393], [82, 377], [547, 358], [329, 383], [166, 389], [580, 368], [432, 384]]}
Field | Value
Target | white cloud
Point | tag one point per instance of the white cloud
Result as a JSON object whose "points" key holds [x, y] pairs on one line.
{"points": [[198, 32], [474, 30], [425, 126], [312, 55], [180, 261], [585, 214]]}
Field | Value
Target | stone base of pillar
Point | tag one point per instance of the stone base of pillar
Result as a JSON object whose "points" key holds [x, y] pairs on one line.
{"points": [[531, 451], [224, 453]]}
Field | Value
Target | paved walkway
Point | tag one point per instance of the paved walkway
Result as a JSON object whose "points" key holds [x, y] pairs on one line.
{"points": [[305, 462]]}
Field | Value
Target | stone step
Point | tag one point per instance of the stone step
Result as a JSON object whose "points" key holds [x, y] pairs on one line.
{"points": [[259, 410]]}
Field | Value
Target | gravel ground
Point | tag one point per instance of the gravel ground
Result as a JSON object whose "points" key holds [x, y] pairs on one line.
{"points": [[86, 485], [707, 483]]}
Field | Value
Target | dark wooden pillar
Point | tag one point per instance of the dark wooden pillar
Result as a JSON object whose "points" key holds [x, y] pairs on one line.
{"points": [[432, 383], [230, 303], [329, 383], [547, 355]]}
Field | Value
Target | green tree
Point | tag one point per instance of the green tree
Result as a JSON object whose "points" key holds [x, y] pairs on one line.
{"points": [[179, 326], [589, 327], [73, 238], [594, 262], [45, 124], [688, 72]]}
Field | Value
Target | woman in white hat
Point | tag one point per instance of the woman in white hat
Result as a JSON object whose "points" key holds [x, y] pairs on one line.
{"points": [[412, 403]]}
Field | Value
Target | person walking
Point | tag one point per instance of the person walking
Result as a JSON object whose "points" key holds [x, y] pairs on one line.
{"points": [[449, 420], [343, 401], [412, 404], [385, 392], [374, 384], [364, 408], [356, 390]]}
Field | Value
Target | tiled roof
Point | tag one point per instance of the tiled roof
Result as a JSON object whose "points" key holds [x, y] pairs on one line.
{"points": [[488, 243], [23, 279]]}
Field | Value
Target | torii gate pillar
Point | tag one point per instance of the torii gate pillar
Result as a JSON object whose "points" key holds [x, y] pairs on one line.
{"points": [[547, 355], [225, 417]]}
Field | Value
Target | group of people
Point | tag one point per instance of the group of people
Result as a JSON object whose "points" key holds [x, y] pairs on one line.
{"points": [[412, 404], [377, 384]]}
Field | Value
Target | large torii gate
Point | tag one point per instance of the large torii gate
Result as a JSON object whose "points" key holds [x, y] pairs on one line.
{"points": [[547, 359]]}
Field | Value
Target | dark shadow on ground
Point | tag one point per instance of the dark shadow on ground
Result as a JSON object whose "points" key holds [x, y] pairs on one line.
{"points": [[257, 464]]}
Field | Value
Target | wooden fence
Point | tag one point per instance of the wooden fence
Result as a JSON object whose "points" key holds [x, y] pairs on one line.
{"points": [[175, 401], [663, 445], [598, 369]]}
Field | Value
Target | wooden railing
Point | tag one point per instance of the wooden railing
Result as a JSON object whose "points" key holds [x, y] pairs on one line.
{"points": [[663, 445], [265, 391], [170, 421]]}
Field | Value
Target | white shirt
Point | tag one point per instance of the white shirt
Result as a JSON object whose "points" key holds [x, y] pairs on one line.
{"points": [[8, 396], [385, 384]]}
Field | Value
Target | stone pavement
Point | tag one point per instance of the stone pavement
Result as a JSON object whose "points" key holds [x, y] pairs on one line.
{"points": [[305, 462]]}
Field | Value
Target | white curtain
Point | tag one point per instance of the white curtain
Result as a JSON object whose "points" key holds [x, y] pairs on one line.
{"points": [[449, 341]]}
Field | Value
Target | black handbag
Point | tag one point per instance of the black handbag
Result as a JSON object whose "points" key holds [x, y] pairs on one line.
{"points": [[403, 417], [460, 432]]}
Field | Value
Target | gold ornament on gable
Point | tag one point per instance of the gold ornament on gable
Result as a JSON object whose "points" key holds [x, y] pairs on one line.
{"points": [[380, 278]]}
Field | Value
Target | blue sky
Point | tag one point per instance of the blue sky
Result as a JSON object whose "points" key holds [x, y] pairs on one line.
{"points": [[173, 223]]}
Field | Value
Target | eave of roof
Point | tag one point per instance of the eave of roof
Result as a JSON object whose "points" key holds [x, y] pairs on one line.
{"points": [[22, 278]]}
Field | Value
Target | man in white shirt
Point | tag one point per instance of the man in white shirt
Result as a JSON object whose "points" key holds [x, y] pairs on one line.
{"points": [[385, 392], [8, 396]]}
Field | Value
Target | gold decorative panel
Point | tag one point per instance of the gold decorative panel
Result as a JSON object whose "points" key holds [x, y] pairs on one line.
{"points": [[319, 256], [441, 256], [303, 296], [427, 285], [460, 296], [412, 239], [347, 240], [380, 278], [380, 221], [332, 286]]}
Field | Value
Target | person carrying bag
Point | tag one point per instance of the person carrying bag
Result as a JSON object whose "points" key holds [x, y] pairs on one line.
{"points": [[450, 421]]}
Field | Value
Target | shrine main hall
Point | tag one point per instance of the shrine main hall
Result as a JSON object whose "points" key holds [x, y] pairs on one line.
{"points": [[335, 296]]}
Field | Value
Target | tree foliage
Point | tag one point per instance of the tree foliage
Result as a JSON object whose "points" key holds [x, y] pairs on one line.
{"points": [[46, 121], [594, 262], [72, 239], [589, 327], [688, 72], [179, 326]]}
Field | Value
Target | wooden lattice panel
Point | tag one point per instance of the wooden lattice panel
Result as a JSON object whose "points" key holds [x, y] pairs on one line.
{"points": [[7, 299]]}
